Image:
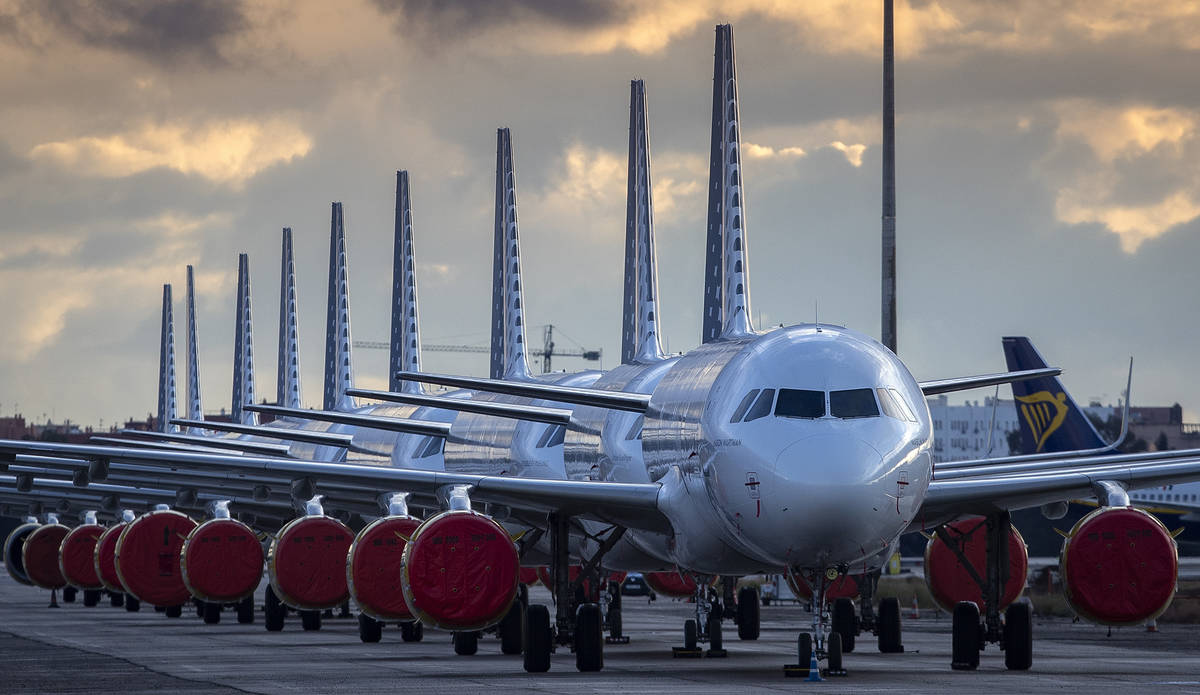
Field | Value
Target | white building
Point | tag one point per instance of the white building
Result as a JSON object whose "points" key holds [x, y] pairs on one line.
{"points": [[961, 431]]}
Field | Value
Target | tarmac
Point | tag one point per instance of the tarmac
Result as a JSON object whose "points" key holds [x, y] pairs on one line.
{"points": [[104, 649]]}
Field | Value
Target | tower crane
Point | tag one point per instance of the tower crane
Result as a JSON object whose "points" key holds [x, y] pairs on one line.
{"points": [[549, 350]]}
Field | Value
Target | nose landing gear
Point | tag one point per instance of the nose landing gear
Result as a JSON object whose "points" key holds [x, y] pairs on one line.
{"points": [[822, 643]]}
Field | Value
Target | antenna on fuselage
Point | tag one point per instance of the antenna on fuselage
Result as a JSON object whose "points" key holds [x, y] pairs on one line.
{"points": [[639, 326], [405, 346], [888, 322], [339, 374], [287, 387], [166, 366], [508, 329]]}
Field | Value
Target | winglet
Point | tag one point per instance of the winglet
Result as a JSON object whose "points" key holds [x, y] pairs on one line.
{"points": [[243, 348], [406, 338], [639, 329], [287, 387], [166, 366], [508, 329], [339, 375], [727, 273], [1125, 410]]}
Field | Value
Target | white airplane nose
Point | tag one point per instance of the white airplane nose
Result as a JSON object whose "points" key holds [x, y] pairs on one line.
{"points": [[828, 461]]}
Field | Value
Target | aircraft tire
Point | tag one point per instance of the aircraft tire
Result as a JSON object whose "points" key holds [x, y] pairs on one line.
{"points": [[511, 629], [615, 626], [889, 626], [844, 623], [273, 611], [833, 652], [310, 620], [466, 643], [804, 649], [68, 594], [116, 599], [411, 631], [91, 597], [177, 611], [212, 613], [370, 630], [199, 607], [245, 610], [965, 637], [691, 634], [589, 638], [1018, 636], [748, 614], [132, 604], [539, 640]]}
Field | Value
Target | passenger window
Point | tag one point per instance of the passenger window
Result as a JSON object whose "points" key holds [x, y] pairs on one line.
{"points": [[635, 432], [903, 405], [889, 406], [762, 406], [853, 403], [744, 406], [799, 403]]}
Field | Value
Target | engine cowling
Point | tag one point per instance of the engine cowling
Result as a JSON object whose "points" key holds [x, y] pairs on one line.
{"points": [[307, 561], [76, 556], [373, 567], [221, 561], [147, 557], [460, 571], [105, 558], [1120, 566], [948, 579], [40, 556], [844, 586], [671, 584], [530, 575], [13, 545]]}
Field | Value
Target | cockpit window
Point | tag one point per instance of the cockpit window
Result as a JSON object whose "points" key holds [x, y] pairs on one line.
{"points": [[635, 432], [762, 406], [799, 403], [908, 413], [553, 436], [545, 437], [853, 403], [744, 406], [431, 447], [893, 405]]}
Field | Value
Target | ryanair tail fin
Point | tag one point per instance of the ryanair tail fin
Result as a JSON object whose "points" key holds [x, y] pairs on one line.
{"points": [[406, 338], [508, 323], [243, 349], [339, 374], [639, 326], [287, 387], [166, 366], [1050, 420]]}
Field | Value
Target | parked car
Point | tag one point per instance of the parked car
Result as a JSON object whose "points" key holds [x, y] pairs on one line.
{"points": [[635, 585]]}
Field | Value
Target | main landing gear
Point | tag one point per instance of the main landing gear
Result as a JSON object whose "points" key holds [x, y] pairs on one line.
{"points": [[705, 627]]}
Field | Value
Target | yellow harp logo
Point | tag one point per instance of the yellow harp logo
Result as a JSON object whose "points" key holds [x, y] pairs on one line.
{"points": [[1044, 413]]}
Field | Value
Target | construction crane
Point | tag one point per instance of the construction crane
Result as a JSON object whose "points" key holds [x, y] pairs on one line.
{"points": [[548, 349]]}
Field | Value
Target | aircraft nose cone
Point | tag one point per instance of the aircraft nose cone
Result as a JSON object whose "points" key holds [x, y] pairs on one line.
{"points": [[828, 461]]}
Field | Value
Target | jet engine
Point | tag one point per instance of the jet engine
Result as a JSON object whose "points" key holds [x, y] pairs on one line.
{"points": [[221, 561], [671, 584], [77, 556], [460, 571], [40, 556], [845, 586], [147, 557], [1119, 566], [950, 581], [12, 552], [372, 566], [308, 562], [105, 558]]}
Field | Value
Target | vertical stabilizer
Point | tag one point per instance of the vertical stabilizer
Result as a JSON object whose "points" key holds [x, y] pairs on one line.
{"points": [[888, 319], [243, 348], [166, 366], [195, 410], [727, 273], [508, 329], [639, 327], [338, 374], [406, 337], [287, 387]]}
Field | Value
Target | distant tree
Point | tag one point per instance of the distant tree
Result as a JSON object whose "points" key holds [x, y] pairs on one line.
{"points": [[1014, 442], [1161, 443], [49, 435]]}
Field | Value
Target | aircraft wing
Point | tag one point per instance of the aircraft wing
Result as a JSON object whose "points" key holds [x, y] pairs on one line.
{"points": [[631, 505]]}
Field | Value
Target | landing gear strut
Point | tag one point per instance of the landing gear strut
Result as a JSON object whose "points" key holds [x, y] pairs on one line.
{"points": [[822, 642]]}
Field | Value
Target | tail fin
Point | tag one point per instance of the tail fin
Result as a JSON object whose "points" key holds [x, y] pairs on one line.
{"points": [[406, 336], [1049, 418], [243, 349], [639, 328], [166, 366], [727, 273], [195, 411], [287, 386], [339, 375], [508, 329]]}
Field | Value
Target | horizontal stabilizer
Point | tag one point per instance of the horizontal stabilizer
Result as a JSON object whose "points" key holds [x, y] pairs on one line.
{"points": [[260, 448], [307, 436], [613, 400], [933, 388], [149, 444], [531, 413], [392, 424]]}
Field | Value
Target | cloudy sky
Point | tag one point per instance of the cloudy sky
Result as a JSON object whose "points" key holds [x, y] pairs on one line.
{"points": [[1047, 155]]}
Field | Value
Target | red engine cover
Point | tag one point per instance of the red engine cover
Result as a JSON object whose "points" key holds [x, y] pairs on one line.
{"points": [[373, 567], [147, 557], [221, 561], [106, 556], [543, 575], [844, 586], [12, 552], [530, 575], [77, 556], [1119, 566], [308, 562], [40, 556], [947, 578], [460, 571], [672, 584]]}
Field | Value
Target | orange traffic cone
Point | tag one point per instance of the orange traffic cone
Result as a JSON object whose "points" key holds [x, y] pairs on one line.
{"points": [[916, 608]]}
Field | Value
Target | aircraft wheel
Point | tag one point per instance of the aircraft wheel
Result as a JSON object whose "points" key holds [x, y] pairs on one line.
{"points": [[212, 613], [833, 653], [91, 597], [845, 623], [245, 610], [177, 611], [273, 611], [1018, 636], [511, 629], [748, 614], [804, 649], [539, 640], [889, 626], [965, 637], [116, 599], [132, 604], [690, 634], [715, 638], [369, 629], [68, 594], [615, 626], [310, 620], [589, 638], [199, 605], [466, 643], [411, 631]]}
